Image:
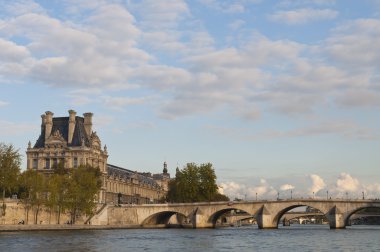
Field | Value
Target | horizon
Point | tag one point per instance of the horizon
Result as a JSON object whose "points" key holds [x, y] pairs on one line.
{"points": [[280, 96]]}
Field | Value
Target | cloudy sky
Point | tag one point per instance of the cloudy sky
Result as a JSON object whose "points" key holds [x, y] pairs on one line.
{"points": [[278, 95]]}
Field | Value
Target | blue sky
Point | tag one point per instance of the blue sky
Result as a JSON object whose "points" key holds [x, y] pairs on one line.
{"points": [[278, 95]]}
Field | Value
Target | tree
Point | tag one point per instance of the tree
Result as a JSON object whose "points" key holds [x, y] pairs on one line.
{"points": [[10, 161], [194, 184], [57, 186], [207, 182], [84, 185], [33, 192]]}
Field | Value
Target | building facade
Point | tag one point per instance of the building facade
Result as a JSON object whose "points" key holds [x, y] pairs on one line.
{"points": [[70, 142]]}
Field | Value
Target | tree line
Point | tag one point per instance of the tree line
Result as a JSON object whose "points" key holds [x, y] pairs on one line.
{"points": [[65, 190]]}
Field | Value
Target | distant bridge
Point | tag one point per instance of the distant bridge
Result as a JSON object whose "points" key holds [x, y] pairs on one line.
{"points": [[301, 216], [205, 214]]}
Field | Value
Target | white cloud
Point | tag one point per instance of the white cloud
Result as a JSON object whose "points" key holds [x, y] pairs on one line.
{"points": [[317, 184], [114, 22], [359, 98], [356, 44], [158, 15], [237, 190], [286, 187], [303, 16], [346, 183], [372, 191], [11, 52]]}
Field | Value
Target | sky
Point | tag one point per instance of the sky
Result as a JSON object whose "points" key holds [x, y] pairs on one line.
{"points": [[282, 97]]}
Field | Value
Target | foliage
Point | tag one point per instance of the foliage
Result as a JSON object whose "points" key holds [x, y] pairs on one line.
{"points": [[83, 186], [10, 161], [33, 192], [57, 185], [194, 184], [73, 190]]}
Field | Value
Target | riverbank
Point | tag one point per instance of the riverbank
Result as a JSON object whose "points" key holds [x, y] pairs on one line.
{"points": [[15, 228]]}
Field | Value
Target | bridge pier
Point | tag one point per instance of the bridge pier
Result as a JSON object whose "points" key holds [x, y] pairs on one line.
{"points": [[265, 219], [336, 219], [199, 220]]}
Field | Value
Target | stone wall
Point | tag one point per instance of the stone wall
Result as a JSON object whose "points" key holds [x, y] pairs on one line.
{"points": [[16, 212]]}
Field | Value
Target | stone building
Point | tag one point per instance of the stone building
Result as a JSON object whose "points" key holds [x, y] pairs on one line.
{"points": [[70, 141]]}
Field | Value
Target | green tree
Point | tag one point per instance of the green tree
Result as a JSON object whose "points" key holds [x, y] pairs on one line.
{"points": [[194, 184], [84, 185], [57, 186], [10, 161], [33, 192], [207, 182]]}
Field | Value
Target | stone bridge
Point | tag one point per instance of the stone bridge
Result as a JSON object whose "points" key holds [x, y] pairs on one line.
{"points": [[205, 214]]}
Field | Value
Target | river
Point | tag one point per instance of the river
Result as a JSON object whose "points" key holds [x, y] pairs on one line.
{"points": [[247, 238]]}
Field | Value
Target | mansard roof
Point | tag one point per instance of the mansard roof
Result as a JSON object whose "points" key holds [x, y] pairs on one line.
{"points": [[113, 170], [62, 125]]}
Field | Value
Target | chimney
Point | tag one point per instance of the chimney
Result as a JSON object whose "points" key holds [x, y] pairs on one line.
{"points": [[88, 123], [48, 119], [72, 115], [43, 122]]}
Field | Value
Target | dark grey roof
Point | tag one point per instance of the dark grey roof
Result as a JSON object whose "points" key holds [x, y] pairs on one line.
{"points": [[62, 124], [113, 170]]}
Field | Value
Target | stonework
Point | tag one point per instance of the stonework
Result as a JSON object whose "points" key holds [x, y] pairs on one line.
{"points": [[17, 213], [70, 141]]}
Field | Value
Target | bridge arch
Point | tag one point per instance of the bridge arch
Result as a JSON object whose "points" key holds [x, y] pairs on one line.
{"points": [[163, 217], [216, 215], [356, 210], [282, 212]]}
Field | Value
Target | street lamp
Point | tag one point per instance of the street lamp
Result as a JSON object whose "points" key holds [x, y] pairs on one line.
{"points": [[278, 195], [363, 195], [313, 195], [291, 194], [327, 193]]}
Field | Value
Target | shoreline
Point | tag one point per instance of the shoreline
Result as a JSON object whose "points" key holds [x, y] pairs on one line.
{"points": [[63, 227]]}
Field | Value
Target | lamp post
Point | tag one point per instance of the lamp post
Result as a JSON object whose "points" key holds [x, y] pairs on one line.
{"points": [[291, 194], [327, 193], [278, 195], [346, 195], [363, 195], [313, 195], [256, 196]]}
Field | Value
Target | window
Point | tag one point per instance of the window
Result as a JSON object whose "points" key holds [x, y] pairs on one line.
{"points": [[75, 162], [35, 164], [47, 162]]}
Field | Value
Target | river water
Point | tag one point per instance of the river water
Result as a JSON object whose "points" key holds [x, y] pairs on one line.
{"points": [[247, 238]]}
